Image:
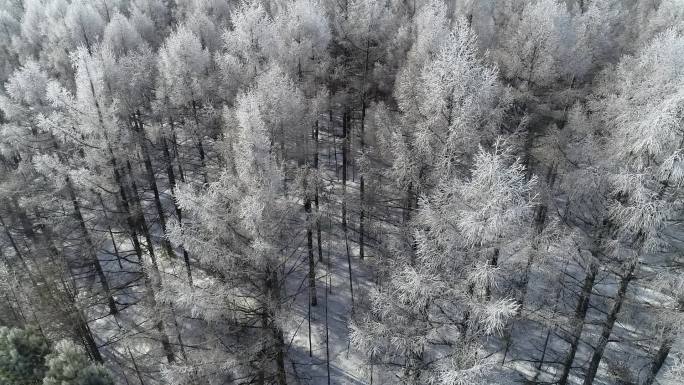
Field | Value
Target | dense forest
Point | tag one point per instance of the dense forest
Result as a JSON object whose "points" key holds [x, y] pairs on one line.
{"points": [[437, 192]]}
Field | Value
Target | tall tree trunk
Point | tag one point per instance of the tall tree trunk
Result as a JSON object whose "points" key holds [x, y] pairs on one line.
{"points": [[659, 359], [168, 349], [362, 189], [494, 263], [176, 153], [609, 324], [157, 201], [578, 320], [109, 229], [92, 253], [407, 203], [316, 197], [156, 277], [531, 71], [540, 364], [135, 366], [272, 287], [540, 216], [152, 182], [125, 206], [66, 305], [465, 322], [132, 226], [280, 356], [123, 201], [553, 328], [16, 248], [82, 330], [327, 339], [345, 149], [200, 146], [11, 298], [309, 243], [172, 183]]}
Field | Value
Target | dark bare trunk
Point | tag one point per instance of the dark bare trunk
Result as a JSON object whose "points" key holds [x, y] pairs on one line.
{"points": [[494, 263], [609, 324], [327, 340], [407, 203], [362, 143], [316, 198], [157, 201], [578, 320], [172, 183], [152, 182], [83, 331], [135, 223], [312, 263], [345, 148], [92, 252], [272, 287], [659, 359], [109, 230], [200, 145]]}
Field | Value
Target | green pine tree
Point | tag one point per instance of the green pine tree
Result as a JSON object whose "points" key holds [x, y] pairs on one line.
{"points": [[22, 356]]}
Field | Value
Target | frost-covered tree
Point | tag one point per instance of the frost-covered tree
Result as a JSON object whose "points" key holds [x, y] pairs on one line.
{"points": [[152, 20], [237, 226], [31, 29], [450, 104], [643, 110], [430, 317], [53, 189], [305, 35], [10, 15], [204, 27], [184, 83], [572, 155], [668, 323], [183, 64], [536, 43], [367, 37], [247, 46], [84, 24], [669, 14], [90, 119], [364, 33], [68, 365], [120, 35], [167, 166], [28, 90]]}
